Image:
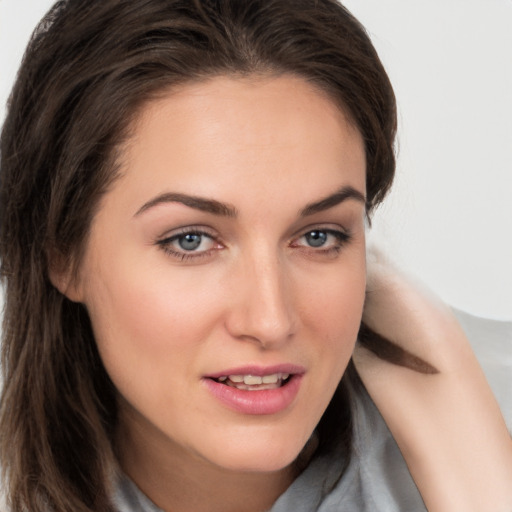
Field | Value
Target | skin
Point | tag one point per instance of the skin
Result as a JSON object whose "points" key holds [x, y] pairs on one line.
{"points": [[448, 426], [256, 292]]}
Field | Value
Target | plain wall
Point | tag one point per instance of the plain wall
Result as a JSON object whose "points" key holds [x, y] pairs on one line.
{"points": [[449, 217]]}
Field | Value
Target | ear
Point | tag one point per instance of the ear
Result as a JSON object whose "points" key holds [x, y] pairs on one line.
{"points": [[62, 275]]}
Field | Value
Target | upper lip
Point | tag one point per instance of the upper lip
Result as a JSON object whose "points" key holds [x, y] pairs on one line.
{"points": [[259, 371]]}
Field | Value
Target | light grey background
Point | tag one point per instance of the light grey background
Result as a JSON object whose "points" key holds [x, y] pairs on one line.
{"points": [[449, 217]]}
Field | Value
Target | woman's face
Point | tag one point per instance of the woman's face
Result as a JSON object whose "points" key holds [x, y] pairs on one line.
{"points": [[232, 244]]}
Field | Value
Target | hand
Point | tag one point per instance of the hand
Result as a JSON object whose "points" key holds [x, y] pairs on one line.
{"points": [[448, 425]]}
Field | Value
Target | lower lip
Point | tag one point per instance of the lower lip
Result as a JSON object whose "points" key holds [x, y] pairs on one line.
{"points": [[265, 401]]}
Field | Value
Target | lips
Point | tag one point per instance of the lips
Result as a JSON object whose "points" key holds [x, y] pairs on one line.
{"points": [[256, 390]]}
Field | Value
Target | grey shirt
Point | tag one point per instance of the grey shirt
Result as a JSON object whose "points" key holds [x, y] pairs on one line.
{"points": [[377, 478]]}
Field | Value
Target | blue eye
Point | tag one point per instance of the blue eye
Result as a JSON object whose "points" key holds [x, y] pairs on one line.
{"points": [[316, 238], [323, 241], [190, 241], [188, 244]]}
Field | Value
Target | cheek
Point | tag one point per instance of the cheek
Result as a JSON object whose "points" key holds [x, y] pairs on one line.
{"points": [[332, 313], [335, 304], [148, 322]]}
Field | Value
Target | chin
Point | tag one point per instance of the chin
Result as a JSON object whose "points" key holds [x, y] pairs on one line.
{"points": [[257, 454]]}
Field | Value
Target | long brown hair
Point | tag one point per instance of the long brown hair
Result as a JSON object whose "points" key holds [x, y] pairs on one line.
{"points": [[90, 66]]}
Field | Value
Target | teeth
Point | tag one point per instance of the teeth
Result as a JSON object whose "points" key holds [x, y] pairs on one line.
{"points": [[252, 380], [255, 380]]}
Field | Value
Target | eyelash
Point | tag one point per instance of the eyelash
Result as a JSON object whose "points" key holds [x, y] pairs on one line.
{"points": [[342, 238], [165, 244]]}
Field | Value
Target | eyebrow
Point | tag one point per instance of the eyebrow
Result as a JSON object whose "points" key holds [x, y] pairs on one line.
{"points": [[227, 210], [343, 194], [199, 203]]}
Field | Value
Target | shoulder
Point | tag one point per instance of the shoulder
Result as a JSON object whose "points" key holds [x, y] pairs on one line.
{"points": [[491, 341]]}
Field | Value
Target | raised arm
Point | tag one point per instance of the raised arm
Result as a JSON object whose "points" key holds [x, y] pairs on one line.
{"points": [[448, 425]]}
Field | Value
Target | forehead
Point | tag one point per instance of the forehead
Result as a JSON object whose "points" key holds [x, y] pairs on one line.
{"points": [[207, 135], [228, 97]]}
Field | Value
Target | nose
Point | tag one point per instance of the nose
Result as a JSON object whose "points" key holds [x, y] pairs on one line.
{"points": [[263, 309]]}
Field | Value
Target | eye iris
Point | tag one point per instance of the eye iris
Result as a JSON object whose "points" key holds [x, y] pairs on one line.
{"points": [[316, 238], [190, 241]]}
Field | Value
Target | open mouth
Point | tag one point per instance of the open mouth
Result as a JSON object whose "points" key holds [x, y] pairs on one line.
{"points": [[254, 382], [277, 388]]}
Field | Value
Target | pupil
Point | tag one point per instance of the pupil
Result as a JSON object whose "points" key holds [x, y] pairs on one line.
{"points": [[189, 242], [316, 238]]}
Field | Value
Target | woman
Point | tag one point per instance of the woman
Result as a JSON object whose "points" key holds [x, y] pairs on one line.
{"points": [[184, 194]]}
